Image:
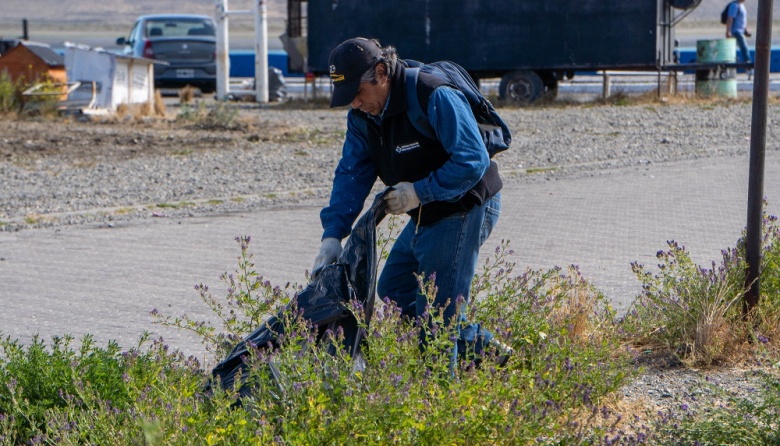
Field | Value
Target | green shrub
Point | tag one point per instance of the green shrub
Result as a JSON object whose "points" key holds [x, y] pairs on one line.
{"points": [[567, 359], [689, 310], [9, 94], [221, 116], [61, 395], [767, 315], [189, 112], [43, 100], [567, 365], [696, 313]]}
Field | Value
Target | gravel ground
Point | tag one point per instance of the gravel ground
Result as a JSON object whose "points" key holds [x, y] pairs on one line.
{"points": [[116, 169], [54, 173]]}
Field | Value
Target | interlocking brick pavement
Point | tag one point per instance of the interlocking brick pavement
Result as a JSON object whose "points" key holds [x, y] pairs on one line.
{"points": [[104, 281]]}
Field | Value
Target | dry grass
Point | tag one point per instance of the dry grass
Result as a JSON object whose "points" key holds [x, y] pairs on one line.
{"points": [[576, 314], [159, 104], [186, 95], [132, 110], [712, 337], [651, 97], [143, 110]]}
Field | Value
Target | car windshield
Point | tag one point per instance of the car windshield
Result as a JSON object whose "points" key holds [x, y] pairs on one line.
{"points": [[178, 27]]}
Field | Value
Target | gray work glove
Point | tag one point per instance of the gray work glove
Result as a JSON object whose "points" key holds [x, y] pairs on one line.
{"points": [[330, 250], [402, 198]]}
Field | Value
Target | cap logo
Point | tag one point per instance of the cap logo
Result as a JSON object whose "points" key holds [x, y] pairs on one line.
{"points": [[335, 77]]}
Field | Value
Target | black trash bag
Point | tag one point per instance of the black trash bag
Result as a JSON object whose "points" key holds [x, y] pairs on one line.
{"points": [[324, 302]]}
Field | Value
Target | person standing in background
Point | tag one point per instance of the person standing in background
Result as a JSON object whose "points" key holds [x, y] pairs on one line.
{"points": [[736, 27]]}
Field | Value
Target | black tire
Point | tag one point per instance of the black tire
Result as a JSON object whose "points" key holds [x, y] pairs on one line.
{"points": [[209, 87], [551, 92], [550, 87], [522, 87]]}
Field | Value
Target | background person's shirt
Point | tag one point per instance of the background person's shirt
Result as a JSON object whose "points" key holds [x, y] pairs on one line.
{"points": [[738, 13]]}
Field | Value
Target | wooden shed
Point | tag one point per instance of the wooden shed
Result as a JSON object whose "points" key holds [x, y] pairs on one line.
{"points": [[33, 62]]}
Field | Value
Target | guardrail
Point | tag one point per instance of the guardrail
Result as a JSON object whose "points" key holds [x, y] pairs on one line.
{"points": [[242, 62]]}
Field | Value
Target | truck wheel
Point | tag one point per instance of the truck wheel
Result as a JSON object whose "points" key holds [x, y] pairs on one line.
{"points": [[521, 86]]}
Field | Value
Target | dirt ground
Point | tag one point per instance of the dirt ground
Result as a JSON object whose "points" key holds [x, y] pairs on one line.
{"points": [[78, 141]]}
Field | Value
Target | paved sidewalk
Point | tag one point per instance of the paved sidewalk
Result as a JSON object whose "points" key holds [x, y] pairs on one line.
{"points": [[105, 281]]}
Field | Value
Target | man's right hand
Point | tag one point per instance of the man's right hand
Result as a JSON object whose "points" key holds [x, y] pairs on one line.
{"points": [[330, 250]]}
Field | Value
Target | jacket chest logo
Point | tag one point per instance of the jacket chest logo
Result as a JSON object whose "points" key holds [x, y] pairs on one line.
{"points": [[407, 147]]}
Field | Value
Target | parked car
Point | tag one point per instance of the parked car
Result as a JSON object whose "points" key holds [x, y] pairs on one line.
{"points": [[186, 42]]}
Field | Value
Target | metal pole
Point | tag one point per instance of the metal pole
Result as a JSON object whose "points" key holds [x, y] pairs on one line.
{"points": [[261, 52], [757, 150], [223, 55]]}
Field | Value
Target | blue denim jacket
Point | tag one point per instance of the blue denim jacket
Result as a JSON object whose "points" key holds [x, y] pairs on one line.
{"points": [[455, 126]]}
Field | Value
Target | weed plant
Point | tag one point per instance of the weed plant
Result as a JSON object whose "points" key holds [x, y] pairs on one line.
{"points": [[567, 360], [687, 309], [221, 116], [59, 394], [696, 313], [570, 358], [191, 112]]}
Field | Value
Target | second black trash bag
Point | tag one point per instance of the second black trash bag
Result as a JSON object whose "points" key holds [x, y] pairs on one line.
{"points": [[324, 302]]}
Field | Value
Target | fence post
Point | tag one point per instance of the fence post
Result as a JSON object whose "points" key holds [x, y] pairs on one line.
{"points": [[261, 52], [223, 57]]}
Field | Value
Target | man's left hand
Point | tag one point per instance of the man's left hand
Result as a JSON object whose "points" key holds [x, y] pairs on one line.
{"points": [[401, 199]]}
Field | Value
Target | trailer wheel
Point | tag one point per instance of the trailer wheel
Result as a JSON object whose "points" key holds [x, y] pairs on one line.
{"points": [[550, 86], [521, 86], [551, 92]]}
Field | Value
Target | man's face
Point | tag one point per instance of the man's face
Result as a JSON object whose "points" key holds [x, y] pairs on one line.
{"points": [[372, 96]]}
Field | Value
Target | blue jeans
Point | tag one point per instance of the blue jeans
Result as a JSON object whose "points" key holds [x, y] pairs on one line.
{"points": [[742, 44], [448, 248]]}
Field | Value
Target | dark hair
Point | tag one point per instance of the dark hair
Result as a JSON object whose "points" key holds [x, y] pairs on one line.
{"points": [[388, 57]]}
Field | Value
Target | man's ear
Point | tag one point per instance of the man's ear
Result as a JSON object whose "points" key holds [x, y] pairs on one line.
{"points": [[381, 70]]}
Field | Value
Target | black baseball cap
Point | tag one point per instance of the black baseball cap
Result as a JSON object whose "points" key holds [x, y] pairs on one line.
{"points": [[348, 62]]}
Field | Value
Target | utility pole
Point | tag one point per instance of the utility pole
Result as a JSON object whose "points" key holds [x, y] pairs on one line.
{"points": [[757, 152]]}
